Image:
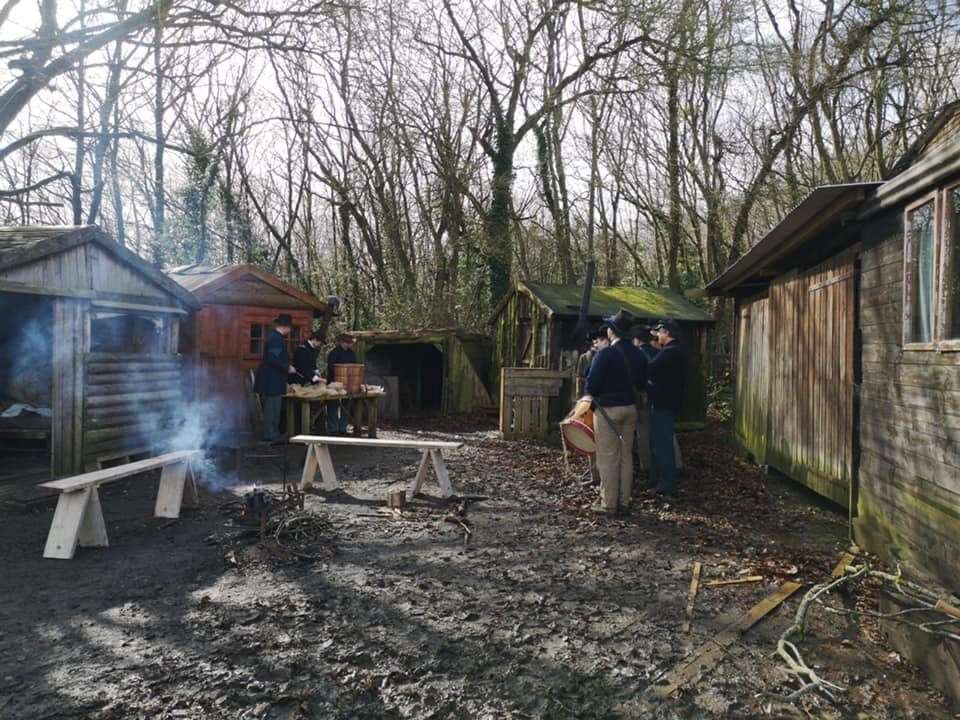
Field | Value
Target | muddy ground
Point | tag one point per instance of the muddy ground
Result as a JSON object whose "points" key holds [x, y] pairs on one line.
{"points": [[548, 611]]}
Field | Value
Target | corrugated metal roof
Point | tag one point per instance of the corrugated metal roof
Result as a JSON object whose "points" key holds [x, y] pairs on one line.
{"points": [[823, 205], [645, 302]]}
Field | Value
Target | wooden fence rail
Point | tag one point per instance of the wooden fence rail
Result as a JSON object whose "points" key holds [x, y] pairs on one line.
{"points": [[525, 399]]}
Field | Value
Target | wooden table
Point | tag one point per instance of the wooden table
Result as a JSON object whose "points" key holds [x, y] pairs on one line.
{"points": [[360, 406]]}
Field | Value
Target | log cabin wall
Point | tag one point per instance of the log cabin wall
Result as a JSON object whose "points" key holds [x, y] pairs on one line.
{"points": [[908, 493], [226, 352]]}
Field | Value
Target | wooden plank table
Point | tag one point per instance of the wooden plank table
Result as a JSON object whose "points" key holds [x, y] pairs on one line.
{"points": [[318, 459], [360, 407]]}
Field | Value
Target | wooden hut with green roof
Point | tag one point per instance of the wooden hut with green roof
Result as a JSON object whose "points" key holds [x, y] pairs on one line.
{"points": [[535, 325]]}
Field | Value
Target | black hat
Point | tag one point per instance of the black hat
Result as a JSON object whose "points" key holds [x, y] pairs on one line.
{"points": [[283, 319], [596, 334], [319, 336], [670, 326], [622, 323]]}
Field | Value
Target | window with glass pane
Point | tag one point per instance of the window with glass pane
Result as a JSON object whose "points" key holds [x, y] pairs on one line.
{"points": [[256, 339], [951, 286], [922, 271]]}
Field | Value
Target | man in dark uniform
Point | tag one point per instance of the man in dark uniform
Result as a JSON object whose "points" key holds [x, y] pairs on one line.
{"points": [[617, 374], [271, 377], [305, 358], [337, 415], [666, 376]]}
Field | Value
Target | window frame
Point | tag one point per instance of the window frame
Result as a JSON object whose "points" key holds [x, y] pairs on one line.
{"points": [[948, 256], [908, 279]]}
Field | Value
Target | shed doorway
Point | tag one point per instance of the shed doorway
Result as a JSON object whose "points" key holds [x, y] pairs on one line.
{"points": [[26, 388], [419, 369]]}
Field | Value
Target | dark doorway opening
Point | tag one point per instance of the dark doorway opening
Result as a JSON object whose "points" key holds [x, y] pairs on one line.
{"points": [[419, 371], [26, 388]]}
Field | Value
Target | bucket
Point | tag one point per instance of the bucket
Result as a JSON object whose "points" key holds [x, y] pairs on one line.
{"points": [[350, 374]]}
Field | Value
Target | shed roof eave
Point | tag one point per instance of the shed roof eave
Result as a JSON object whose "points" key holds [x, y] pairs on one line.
{"points": [[820, 208]]}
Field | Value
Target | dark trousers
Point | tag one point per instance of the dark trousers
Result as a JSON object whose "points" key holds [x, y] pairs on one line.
{"points": [[271, 416], [337, 417], [662, 465]]}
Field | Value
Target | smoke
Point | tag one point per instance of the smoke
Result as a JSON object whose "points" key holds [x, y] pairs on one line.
{"points": [[26, 361]]}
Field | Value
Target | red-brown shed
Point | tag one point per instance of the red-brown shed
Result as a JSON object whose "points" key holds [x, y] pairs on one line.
{"points": [[227, 334]]}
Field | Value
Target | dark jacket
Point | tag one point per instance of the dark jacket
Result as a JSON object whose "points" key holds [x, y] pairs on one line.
{"points": [[339, 356], [667, 375], [608, 381], [305, 362], [272, 374]]}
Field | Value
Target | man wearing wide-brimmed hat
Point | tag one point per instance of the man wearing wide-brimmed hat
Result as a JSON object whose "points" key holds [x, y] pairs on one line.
{"points": [[667, 375], [271, 377], [618, 374], [337, 412]]}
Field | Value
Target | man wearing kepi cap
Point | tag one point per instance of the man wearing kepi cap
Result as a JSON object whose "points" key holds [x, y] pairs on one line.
{"points": [[617, 375], [271, 377], [666, 375]]}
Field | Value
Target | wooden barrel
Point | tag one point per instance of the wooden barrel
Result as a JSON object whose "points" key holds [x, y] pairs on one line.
{"points": [[350, 374]]}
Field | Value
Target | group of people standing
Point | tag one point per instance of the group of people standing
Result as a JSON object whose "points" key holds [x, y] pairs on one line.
{"points": [[277, 370], [634, 381]]}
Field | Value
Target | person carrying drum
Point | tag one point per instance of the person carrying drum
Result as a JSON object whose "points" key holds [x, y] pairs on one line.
{"points": [[618, 375]]}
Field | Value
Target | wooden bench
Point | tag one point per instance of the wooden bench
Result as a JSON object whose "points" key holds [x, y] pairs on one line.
{"points": [[318, 458], [78, 518]]}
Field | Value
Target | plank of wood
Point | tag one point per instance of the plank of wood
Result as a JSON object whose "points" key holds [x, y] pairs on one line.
{"points": [[691, 595], [93, 531], [374, 442], [170, 492], [309, 468], [443, 477], [98, 477], [421, 475], [733, 581], [65, 527], [327, 474], [705, 657]]}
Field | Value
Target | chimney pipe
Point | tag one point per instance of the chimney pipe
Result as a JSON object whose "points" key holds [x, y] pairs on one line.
{"points": [[583, 321]]}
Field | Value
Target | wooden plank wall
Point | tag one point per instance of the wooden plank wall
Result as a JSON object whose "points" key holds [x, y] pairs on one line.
{"points": [[908, 499], [525, 399], [752, 382], [465, 391], [131, 403], [811, 319], [506, 335]]}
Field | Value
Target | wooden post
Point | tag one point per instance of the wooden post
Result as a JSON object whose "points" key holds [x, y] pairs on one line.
{"points": [[421, 475], [309, 469], [170, 494]]}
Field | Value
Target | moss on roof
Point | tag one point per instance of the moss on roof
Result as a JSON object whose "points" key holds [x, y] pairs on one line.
{"points": [[649, 303]]}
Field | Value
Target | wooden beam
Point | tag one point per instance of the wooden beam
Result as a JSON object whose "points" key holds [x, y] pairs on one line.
{"points": [[711, 652], [691, 595]]}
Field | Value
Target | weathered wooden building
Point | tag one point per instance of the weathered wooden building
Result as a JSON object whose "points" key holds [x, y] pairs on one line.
{"points": [[848, 352], [224, 339], [535, 326], [439, 370], [90, 334]]}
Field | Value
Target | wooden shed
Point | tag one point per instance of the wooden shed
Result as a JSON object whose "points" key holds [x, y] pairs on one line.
{"points": [[225, 337], [848, 352], [437, 370], [535, 326], [90, 344]]}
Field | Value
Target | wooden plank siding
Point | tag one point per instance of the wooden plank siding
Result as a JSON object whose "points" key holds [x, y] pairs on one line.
{"points": [[525, 395], [752, 381], [908, 499], [71, 331], [809, 327]]}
